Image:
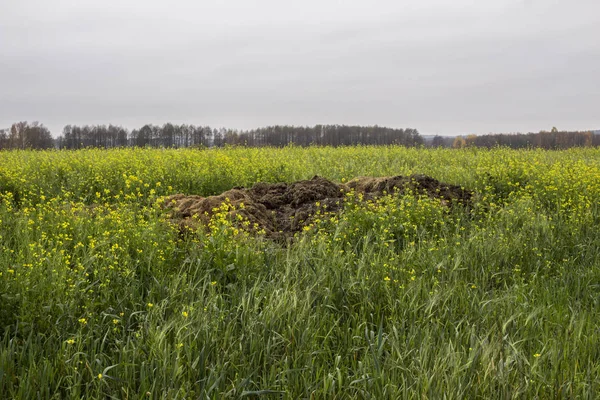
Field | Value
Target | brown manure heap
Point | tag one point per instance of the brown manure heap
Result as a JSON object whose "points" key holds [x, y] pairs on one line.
{"points": [[281, 209]]}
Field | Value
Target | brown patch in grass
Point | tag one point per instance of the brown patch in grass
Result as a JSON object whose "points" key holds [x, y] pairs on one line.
{"points": [[281, 209]]}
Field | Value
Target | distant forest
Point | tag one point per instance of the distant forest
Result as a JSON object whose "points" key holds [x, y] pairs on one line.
{"points": [[552, 140], [24, 135]]}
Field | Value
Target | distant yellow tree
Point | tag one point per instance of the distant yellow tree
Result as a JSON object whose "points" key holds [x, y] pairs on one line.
{"points": [[459, 142], [589, 139], [470, 140]]}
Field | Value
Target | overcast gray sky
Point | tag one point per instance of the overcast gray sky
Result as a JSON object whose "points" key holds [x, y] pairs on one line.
{"points": [[441, 66]]}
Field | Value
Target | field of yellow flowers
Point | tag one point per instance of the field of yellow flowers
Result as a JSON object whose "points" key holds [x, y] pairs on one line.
{"points": [[101, 296]]}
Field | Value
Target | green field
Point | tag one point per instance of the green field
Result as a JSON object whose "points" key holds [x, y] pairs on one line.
{"points": [[101, 296]]}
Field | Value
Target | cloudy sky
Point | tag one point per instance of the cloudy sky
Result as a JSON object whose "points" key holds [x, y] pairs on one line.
{"points": [[441, 66]]}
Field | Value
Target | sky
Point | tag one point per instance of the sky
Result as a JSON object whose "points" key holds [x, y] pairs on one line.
{"points": [[444, 67]]}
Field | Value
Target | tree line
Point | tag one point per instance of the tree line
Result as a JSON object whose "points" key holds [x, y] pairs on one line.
{"points": [[24, 135], [551, 140]]}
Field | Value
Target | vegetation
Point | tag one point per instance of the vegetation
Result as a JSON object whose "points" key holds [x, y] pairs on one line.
{"points": [[101, 296], [554, 139], [23, 135], [177, 136]]}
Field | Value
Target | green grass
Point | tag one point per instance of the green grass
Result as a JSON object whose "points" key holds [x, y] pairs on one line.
{"points": [[100, 297]]}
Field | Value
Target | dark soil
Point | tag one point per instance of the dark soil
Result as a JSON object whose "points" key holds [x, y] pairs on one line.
{"points": [[282, 209]]}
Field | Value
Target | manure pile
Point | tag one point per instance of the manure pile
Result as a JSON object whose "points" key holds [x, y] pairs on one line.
{"points": [[282, 209]]}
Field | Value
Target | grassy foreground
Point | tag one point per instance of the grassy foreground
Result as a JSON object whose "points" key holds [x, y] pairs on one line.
{"points": [[100, 297]]}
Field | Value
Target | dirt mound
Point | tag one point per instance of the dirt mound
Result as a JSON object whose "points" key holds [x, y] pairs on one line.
{"points": [[417, 184], [282, 209]]}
